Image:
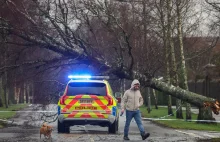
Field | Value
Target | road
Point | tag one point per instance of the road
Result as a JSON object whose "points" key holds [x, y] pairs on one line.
{"points": [[28, 124]]}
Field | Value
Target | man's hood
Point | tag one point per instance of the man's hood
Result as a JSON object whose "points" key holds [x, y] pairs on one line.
{"points": [[135, 81]]}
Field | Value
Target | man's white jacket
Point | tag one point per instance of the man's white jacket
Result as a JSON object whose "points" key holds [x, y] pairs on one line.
{"points": [[132, 99]]}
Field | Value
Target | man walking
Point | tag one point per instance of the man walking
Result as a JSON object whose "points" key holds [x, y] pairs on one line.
{"points": [[131, 102]]}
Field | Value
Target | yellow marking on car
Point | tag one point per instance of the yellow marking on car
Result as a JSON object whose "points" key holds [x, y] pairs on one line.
{"points": [[85, 107]]}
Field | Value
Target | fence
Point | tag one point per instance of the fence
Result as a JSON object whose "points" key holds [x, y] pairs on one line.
{"points": [[206, 87]]}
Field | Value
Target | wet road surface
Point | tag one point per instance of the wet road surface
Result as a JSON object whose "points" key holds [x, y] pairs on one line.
{"points": [[28, 124]]}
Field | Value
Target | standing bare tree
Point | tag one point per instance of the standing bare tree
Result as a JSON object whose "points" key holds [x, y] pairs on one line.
{"points": [[5, 75], [183, 74]]}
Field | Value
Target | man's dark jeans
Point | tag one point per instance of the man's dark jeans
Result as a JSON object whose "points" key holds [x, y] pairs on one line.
{"points": [[137, 117]]}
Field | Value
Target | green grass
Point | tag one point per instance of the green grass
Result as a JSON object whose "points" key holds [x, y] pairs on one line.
{"points": [[210, 140], [12, 111], [179, 123], [215, 140]]}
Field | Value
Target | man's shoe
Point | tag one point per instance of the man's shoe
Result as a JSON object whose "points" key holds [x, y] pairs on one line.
{"points": [[144, 136], [126, 138]]}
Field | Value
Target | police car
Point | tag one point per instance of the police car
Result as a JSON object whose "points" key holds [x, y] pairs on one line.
{"points": [[88, 100]]}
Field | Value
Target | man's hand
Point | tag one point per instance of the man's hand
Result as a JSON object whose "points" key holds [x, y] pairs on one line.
{"points": [[122, 112]]}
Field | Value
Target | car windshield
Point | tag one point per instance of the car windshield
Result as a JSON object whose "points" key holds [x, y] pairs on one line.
{"points": [[90, 88]]}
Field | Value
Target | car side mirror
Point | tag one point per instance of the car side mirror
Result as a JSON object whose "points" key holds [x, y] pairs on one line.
{"points": [[118, 96], [118, 100]]}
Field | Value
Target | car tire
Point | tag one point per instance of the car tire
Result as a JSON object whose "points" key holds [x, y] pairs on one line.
{"points": [[112, 128], [67, 129], [60, 127], [117, 124]]}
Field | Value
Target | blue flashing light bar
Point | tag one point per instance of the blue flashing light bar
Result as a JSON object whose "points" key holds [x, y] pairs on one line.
{"points": [[87, 77], [79, 76]]}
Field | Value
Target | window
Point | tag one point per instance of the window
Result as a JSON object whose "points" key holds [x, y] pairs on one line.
{"points": [[90, 88]]}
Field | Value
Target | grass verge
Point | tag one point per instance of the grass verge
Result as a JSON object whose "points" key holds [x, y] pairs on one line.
{"points": [[6, 113], [211, 140], [177, 123]]}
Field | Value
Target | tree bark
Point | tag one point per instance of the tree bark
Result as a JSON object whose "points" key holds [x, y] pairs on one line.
{"points": [[205, 114], [164, 26], [145, 95], [5, 81], [177, 92], [1, 100], [21, 95], [5, 90], [169, 50], [179, 111], [183, 73], [148, 100], [32, 92], [27, 92], [155, 98], [11, 94]]}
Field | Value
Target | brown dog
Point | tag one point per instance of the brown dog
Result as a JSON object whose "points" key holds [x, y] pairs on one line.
{"points": [[46, 130]]}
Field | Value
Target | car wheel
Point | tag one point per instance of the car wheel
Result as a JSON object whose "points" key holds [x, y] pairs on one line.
{"points": [[60, 127], [67, 129], [112, 128], [117, 124]]}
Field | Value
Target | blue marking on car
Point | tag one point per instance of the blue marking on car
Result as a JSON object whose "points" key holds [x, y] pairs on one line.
{"points": [[114, 109], [58, 108]]}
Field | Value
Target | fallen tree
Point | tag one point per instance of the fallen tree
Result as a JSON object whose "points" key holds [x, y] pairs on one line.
{"points": [[69, 44], [190, 97]]}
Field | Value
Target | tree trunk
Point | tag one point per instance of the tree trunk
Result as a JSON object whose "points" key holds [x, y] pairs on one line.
{"points": [[21, 95], [168, 77], [121, 86], [11, 95], [167, 59], [155, 98], [1, 90], [145, 95], [33, 92], [205, 114], [170, 49], [179, 112], [6, 92], [177, 92], [170, 110], [5, 81], [27, 90], [148, 100], [183, 73]]}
